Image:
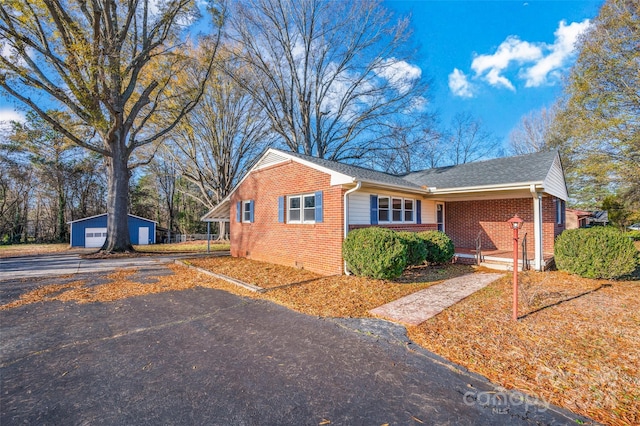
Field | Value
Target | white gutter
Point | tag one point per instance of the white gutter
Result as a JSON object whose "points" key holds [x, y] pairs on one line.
{"points": [[483, 188], [345, 204]]}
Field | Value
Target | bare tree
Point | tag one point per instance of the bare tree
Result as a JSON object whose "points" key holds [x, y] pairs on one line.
{"points": [[110, 65], [330, 75], [216, 142], [467, 141], [534, 133], [413, 145]]}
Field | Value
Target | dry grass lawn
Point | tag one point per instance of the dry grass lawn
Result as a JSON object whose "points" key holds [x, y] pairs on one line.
{"points": [[31, 249], [198, 246]]}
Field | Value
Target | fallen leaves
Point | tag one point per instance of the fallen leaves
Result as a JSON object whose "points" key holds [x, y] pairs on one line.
{"points": [[576, 344]]}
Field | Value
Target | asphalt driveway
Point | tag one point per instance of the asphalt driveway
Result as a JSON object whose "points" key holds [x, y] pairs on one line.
{"points": [[205, 356], [48, 265]]}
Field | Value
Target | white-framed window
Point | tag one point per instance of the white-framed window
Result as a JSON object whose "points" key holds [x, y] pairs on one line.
{"points": [[560, 209], [246, 211], [409, 206], [383, 209], [396, 204], [301, 208], [396, 210]]}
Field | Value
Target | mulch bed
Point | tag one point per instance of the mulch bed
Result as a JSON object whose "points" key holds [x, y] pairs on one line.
{"points": [[577, 343]]}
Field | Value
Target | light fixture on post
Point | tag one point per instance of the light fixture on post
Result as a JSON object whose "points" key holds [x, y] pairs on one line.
{"points": [[515, 223]]}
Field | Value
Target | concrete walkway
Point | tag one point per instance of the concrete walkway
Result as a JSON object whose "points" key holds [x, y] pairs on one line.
{"points": [[424, 304]]}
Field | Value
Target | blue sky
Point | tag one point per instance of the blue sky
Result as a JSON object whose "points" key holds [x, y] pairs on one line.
{"points": [[498, 60], [509, 55]]}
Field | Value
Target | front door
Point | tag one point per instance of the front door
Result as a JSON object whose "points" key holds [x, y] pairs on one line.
{"points": [[143, 235]]}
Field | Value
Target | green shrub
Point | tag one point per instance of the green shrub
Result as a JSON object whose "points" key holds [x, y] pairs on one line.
{"points": [[600, 252], [375, 252], [439, 246], [634, 235], [416, 249]]}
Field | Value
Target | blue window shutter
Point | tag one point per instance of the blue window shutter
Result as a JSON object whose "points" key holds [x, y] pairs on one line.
{"points": [[319, 207], [239, 211], [374, 209], [281, 209], [418, 212], [251, 204]]}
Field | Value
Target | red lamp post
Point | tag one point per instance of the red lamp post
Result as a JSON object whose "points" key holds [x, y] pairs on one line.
{"points": [[516, 223]]}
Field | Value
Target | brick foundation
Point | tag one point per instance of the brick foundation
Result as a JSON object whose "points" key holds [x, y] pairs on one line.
{"points": [[402, 227]]}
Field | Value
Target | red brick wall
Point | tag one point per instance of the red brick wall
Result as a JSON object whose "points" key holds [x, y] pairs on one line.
{"points": [[465, 219], [315, 247]]}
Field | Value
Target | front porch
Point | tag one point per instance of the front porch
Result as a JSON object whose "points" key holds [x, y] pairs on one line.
{"points": [[500, 259]]}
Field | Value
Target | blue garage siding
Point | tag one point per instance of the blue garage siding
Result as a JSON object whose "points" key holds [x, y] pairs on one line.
{"points": [[78, 228], [135, 223]]}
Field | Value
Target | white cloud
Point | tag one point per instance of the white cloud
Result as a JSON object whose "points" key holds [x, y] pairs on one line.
{"points": [[537, 63], [559, 53], [490, 67], [459, 84], [7, 115], [400, 74]]}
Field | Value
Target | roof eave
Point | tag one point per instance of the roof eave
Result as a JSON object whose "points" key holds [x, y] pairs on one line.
{"points": [[483, 188]]}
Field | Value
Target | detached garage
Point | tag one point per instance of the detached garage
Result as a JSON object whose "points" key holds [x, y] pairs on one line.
{"points": [[91, 232]]}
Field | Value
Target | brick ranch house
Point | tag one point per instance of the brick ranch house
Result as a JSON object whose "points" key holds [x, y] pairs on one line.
{"points": [[295, 210]]}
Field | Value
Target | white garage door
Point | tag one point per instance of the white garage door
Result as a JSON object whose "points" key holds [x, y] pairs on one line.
{"points": [[94, 237]]}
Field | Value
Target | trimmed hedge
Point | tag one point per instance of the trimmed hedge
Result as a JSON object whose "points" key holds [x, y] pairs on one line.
{"points": [[599, 252], [375, 252], [416, 249], [439, 246]]}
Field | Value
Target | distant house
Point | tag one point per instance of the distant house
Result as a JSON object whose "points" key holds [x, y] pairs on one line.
{"points": [[577, 218], [91, 232], [294, 209], [599, 218]]}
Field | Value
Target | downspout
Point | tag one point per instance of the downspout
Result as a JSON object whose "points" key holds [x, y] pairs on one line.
{"points": [[537, 227], [345, 203]]}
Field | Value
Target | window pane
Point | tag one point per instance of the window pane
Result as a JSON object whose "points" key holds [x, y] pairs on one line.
{"points": [[408, 216], [294, 202], [294, 215], [383, 215], [397, 215], [383, 203], [309, 201], [310, 214], [408, 204], [397, 204]]}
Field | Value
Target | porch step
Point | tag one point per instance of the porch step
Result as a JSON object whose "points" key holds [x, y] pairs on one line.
{"points": [[500, 266], [496, 263]]}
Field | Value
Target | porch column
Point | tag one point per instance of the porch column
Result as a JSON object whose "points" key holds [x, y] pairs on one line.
{"points": [[537, 230]]}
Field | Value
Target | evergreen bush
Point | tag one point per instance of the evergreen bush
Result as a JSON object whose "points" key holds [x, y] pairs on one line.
{"points": [[439, 246], [375, 252], [600, 252], [416, 249]]}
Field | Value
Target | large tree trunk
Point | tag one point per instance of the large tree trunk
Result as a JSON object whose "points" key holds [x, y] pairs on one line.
{"points": [[118, 239]]}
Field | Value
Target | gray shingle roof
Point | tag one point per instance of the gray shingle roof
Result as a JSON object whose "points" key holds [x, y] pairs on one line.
{"points": [[521, 169], [499, 171], [357, 172]]}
